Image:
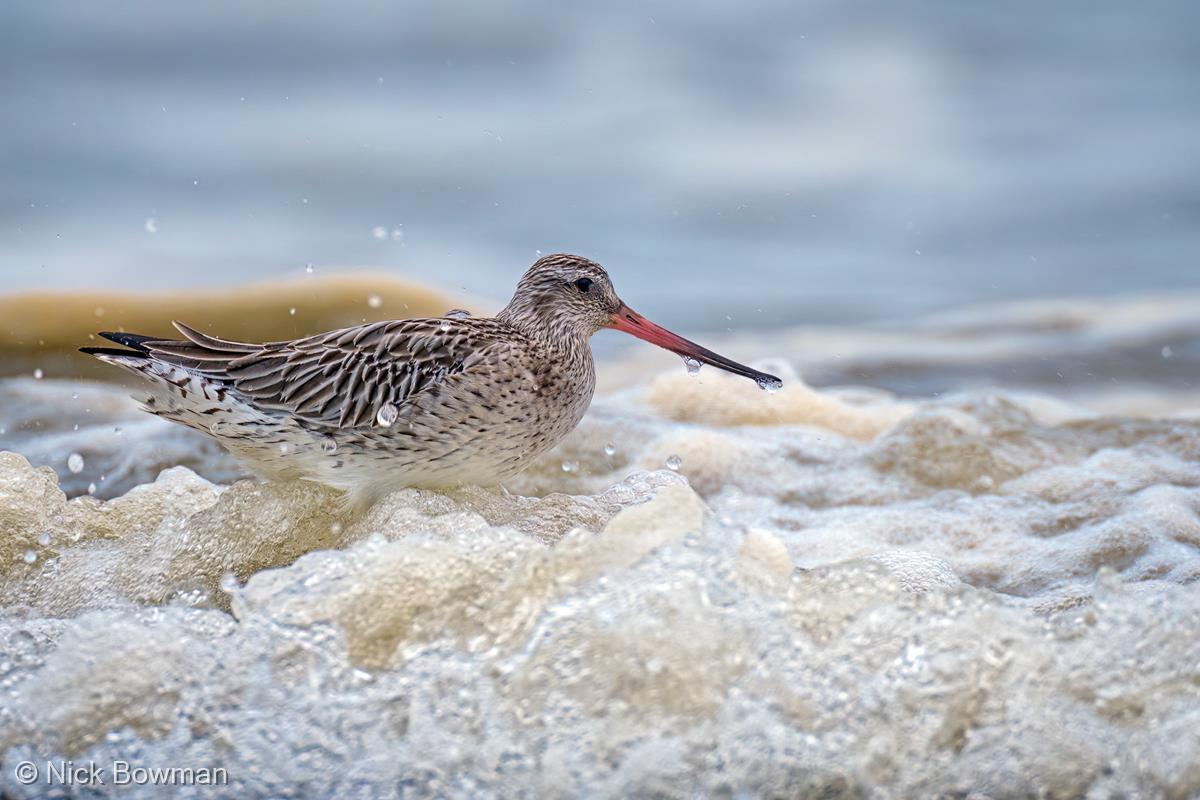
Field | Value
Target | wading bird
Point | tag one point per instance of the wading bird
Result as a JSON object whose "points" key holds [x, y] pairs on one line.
{"points": [[431, 403]]}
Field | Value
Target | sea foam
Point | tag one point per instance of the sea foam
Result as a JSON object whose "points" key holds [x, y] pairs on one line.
{"points": [[837, 592]]}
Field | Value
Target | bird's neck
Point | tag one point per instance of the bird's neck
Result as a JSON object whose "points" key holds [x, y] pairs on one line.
{"points": [[559, 331]]}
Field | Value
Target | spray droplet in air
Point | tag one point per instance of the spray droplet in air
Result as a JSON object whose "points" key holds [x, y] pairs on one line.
{"points": [[75, 463], [570, 466], [374, 301], [610, 449], [91, 488], [329, 445], [674, 462], [38, 374], [292, 311], [387, 415], [151, 224], [1167, 352], [308, 268], [693, 366], [29, 557]]}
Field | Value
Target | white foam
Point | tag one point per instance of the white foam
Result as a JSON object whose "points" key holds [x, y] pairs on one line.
{"points": [[836, 592]]}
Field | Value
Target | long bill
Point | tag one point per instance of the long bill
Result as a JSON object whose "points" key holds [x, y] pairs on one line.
{"points": [[627, 320]]}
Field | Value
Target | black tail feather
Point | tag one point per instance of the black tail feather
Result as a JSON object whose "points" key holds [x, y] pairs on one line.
{"points": [[132, 340], [113, 351]]}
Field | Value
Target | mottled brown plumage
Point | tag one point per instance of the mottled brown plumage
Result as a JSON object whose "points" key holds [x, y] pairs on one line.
{"points": [[420, 402]]}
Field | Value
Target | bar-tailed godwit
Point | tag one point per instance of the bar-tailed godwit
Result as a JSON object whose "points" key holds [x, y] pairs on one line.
{"points": [[416, 402]]}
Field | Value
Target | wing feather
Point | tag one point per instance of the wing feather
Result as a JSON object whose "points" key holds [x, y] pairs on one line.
{"points": [[341, 378]]}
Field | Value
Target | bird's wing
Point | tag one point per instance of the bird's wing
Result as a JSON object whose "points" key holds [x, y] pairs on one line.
{"points": [[341, 378]]}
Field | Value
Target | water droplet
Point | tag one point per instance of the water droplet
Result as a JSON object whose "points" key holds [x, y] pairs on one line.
{"points": [[379, 232], [75, 463], [335, 528], [99, 311], [285, 448], [292, 311], [151, 224], [38, 374], [229, 583], [1167, 352], [458, 313], [29, 557], [610, 449], [570, 466], [329, 445], [693, 366], [674, 462], [445, 326], [45, 539], [374, 301], [91, 488], [387, 415], [769, 385], [308, 268]]}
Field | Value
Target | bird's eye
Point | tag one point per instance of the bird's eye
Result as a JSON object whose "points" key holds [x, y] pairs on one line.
{"points": [[583, 284]]}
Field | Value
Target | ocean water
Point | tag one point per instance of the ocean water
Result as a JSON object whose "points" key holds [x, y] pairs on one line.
{"points": [[778, 163], [958, 554], [706, 590]]}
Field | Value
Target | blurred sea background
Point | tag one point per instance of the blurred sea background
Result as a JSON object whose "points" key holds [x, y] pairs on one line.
{"points": [[735, 165]]}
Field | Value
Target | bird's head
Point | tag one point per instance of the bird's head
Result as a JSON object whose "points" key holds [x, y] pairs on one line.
{"points": [[564, 296]]}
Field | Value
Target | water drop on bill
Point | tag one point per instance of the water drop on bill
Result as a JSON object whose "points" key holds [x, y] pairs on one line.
{"points": [[769, 385], [692, 365]]}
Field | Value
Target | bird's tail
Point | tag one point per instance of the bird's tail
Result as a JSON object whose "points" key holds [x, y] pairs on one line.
{"points": [[136, 344]]}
